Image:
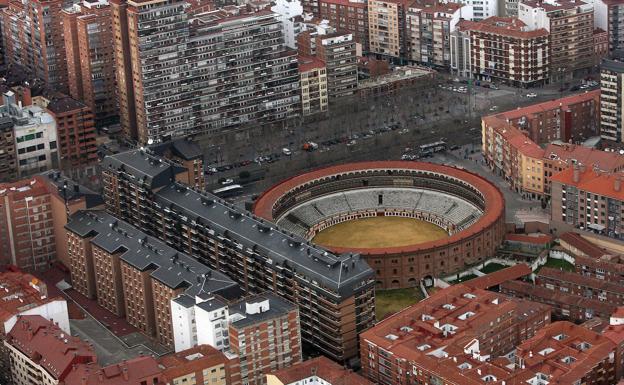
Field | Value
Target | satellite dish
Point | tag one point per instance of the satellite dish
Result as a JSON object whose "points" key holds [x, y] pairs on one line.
{"points": [[150, 141]]}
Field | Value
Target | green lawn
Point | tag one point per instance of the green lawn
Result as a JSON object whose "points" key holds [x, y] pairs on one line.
{"points": [[492, 267], [463, 279], [558, 264], [391, 301]]}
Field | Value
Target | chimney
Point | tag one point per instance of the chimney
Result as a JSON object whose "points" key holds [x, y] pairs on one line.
{"points": [[617, 184], [576, 174], [124, 373], [84, 381]]}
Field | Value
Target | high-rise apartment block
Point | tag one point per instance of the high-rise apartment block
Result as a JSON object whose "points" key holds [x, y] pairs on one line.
{"points": [[387, 28], [334, 293], [429, 25], [338, 51], [271, 323], [88, 34], [349, 16], [175, 90], [570, 24], [584, 198], [35, 134], [612, 100], [313, 78], [32, 215], [502, 50], [609, 16], [33, 39], [134, 275], [75, 127]]}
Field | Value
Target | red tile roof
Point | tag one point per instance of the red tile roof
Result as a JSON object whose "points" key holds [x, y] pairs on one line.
{"points": [[323, 368], [567, 277], [562, 103], [598, 183], [496, 278], [590, 157], [130, 372], [585, 359], [504, 26], [308, 63], [20, 292], [191, 361], [46, 344], [582, 244]]}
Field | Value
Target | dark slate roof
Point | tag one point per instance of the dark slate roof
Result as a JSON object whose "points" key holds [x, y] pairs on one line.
{"points": [[6, 123], [212, 304], [154, 171], [339, 273], [73, 189], [278, 307], [172, 268], [184, 148], [64, 104]]}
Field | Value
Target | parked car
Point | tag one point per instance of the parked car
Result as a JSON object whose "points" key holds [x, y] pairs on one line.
{"points": [[286, 151], [227, 181], [531, 95]]}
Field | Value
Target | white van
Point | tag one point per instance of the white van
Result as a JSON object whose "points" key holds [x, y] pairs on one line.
{"points": [[286, 151]]}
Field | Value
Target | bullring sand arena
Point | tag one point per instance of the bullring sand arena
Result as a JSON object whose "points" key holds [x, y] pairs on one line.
{"points": [[411, 221], [365, 232]]}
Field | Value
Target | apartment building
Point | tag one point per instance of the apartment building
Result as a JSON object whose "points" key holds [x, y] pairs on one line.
{"points": [[335, 293], [581, 356], [42, 353], [32, 215], [348, 15], [587, 199], [611, 100], [579, 285], [338, 51], [34, 130], [387, 28], [88, 33], [502, 50], [33, 39], [570, 24], [264, 333], [25, 294], [8, 152], [609, 16], [483, 9], [429, 26], [187, 154], [134, 275], [313, 78], [75, 128], [256, 81], [459, 324], [313, 371], [197, 366], [601, 45]]}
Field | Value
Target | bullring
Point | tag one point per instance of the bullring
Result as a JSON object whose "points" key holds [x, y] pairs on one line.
{"points": [[466, 206]]}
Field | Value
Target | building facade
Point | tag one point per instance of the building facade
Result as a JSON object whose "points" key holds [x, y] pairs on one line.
{"points": [[33, 39], [609, 16], [75, 127], [429, 26], [502, 50], [611, 100], [348, 15], [387, 28], [570, 24], [313, 371], [587, 199], [88, 34], [172, 95], [313, 78]]}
